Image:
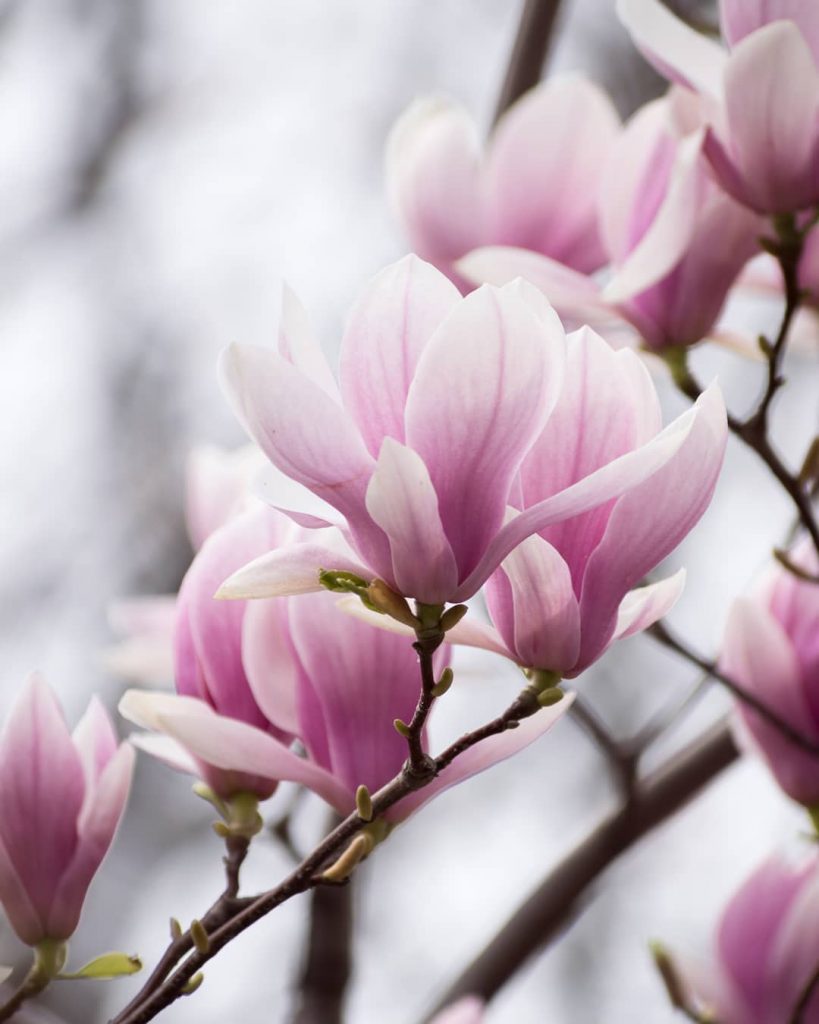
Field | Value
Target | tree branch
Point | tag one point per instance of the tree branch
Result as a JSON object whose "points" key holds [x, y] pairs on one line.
{"points": [[329, 960], [551, 907], [537, 22]]}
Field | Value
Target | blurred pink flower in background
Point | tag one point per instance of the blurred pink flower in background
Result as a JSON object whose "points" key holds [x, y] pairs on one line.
{"points": [[771, 647], [674, 240], [61, 798], [766, 948], [535, 185], [762, 96]]}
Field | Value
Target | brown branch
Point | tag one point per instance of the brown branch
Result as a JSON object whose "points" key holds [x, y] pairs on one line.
{"points": [[328, 962], [537, 22], [544, 914]]}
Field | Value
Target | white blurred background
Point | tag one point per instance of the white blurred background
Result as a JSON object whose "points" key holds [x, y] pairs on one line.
{"points": [[163, 164]]}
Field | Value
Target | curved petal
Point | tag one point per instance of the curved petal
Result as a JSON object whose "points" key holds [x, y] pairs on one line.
{"points": [[166, 750], [28, 925], [298, 344], [758, 655], [739, 18], [772, 109], [402, 500], [543, 171], [298, 426], [229, 744], [649, 521], [386, 332], [482, 756], [642, 607], [606, 483], [290, 570], [545, 616], [484, 387], [432, 165], [97, 825], [270, 662], [571, 293], [675, 50], [791, 953]]}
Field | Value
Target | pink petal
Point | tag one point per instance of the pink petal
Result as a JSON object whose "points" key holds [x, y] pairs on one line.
{"points": [[650, 520], [298, 426], [676, 51], [772, 108], [758, 655], [468, 1010], [362, 679], [42, 787], [740, 18], [386, 332], [432, 179], [482, 756], [642, 607], [270, 661], [484, 386], [166, 750], [791, 951], [96, 743], [403, 502], [606, 483], [608, 407], [666, 240], [27, 923], [572, 294], [290, 570], [298, 345], [544, 168], [228, 744], [97, 825], [545, 613]]}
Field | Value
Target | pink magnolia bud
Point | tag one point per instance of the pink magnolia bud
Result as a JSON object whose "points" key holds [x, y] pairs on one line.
{"points": [[771, 647], [766, 948], [441, 399], [534, 187], [61, 799]]}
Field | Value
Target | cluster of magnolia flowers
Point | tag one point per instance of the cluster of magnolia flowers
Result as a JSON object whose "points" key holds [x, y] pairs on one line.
{"points": [[469, 445]]}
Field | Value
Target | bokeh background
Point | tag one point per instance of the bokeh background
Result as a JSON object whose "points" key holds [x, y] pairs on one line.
{"points": [[163, 165]]}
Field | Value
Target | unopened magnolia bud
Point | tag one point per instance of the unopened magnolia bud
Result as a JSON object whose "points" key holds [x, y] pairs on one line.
{"points": [[401, 728], [361, 846], [549, 697], [385, 600], [200, 936], [364, 803], [443, 683], [452, 616], [193, 984]]}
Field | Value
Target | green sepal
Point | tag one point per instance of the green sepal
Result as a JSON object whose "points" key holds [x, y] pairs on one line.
{"points": [[105, 967]]}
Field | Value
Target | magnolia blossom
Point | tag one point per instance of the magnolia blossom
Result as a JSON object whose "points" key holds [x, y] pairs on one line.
{"points": [[763, 96], [771, 647], [61, 798], [766, 948], [441, 399], [535, 186], [674, 240], [561, 597], [336, 684]]}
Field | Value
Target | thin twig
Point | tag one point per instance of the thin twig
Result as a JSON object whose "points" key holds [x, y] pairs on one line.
{"points": [[544, 914], [32, 985], [622, 757], [537, 22]]}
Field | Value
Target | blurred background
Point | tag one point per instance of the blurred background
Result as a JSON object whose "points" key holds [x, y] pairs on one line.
{"points": [[163, 165]]}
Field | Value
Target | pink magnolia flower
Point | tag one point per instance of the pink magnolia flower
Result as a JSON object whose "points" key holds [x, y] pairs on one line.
{"points": [[763, 143], [675, 241], [535, 186], [61, 798], [766, 948], [337, 685], [441, 399], [468, 1010], [771, 647], [565, 594]]}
